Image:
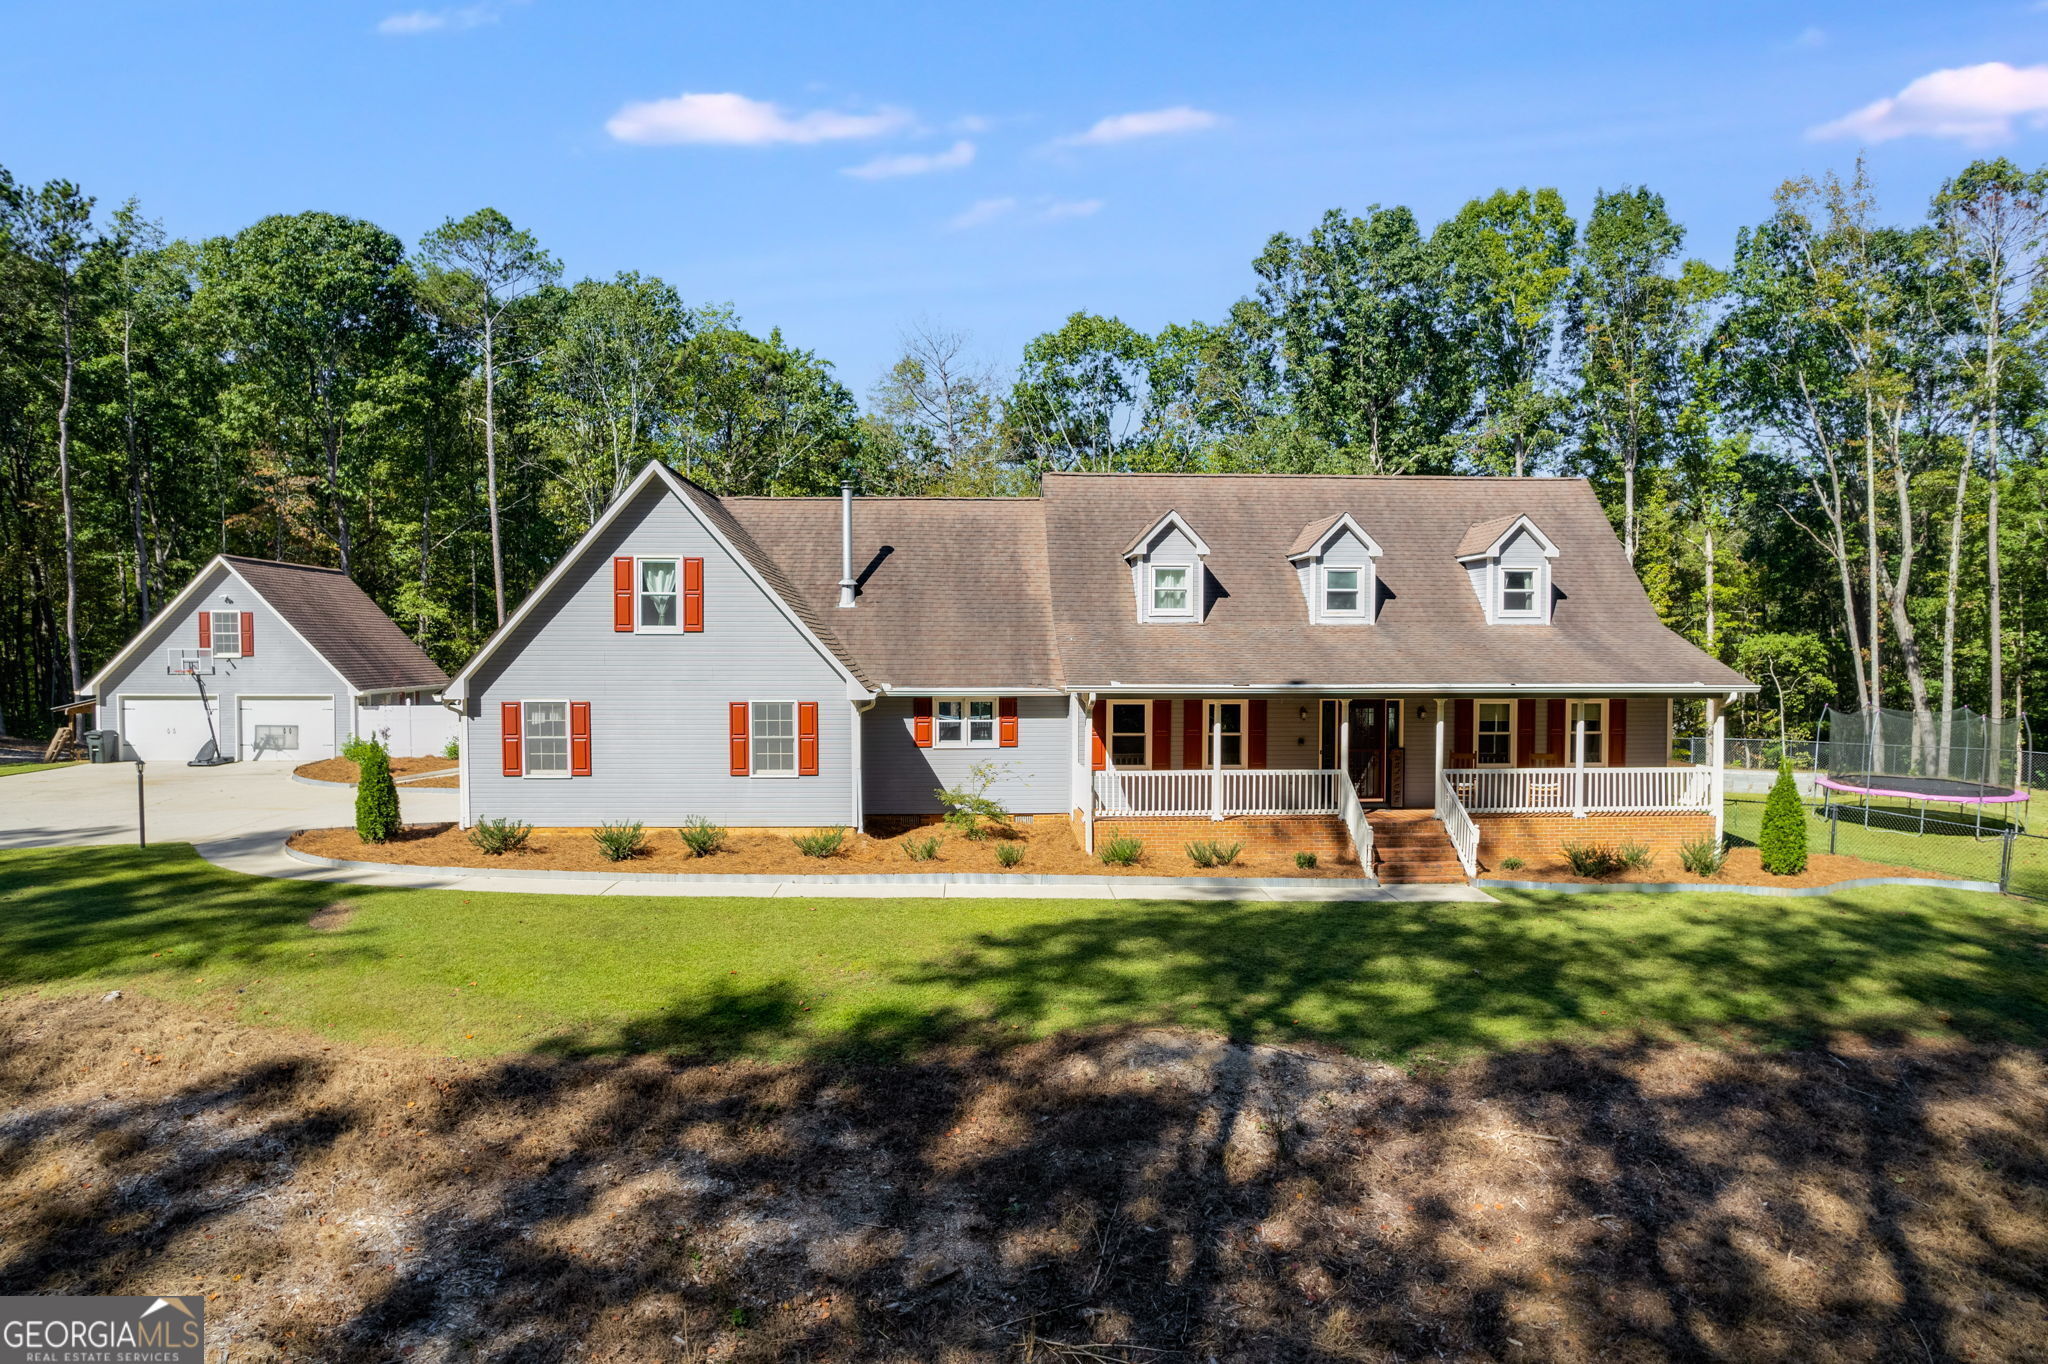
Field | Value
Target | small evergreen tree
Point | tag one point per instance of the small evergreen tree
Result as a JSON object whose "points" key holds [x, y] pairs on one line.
{"points": [[376, 796], [1781, 845]]}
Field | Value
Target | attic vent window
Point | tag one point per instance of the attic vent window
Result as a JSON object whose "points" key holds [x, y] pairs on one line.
{"points": [[1170, 596], [1518, 592]]}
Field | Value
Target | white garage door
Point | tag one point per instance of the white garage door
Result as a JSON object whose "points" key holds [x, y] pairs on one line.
{"points": [[166, 729], [298, 729]]}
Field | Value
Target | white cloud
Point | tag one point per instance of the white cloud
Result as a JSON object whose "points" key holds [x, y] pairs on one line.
{"points": [[961, 153], [734, 120], [981, 213], [1810, 37], [414, 23], [1150, 123], [1975, 105], [1069, 208]]}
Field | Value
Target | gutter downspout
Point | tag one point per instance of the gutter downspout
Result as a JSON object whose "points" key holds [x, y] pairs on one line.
{"points": [[1083, 710], [858, 786]]}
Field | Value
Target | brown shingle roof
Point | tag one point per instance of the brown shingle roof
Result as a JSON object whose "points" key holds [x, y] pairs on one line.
{"points": [[342, 624], [1480, 535], [1312, 534]]}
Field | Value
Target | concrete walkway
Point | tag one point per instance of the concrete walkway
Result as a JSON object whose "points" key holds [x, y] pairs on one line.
{"points": [[239, 815]]}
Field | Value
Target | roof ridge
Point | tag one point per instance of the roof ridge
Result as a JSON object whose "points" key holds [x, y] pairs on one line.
{"points": [[285, 563]]}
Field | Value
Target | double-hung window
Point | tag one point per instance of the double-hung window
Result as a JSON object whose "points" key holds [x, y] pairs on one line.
{"points": [[1518, 591], [1343, 591], [1172, 590], [1496, 734], [545, 738], [1593, 715], [774, 738], [965, 722], [226, 634], [1127, 737], [659, 595]]}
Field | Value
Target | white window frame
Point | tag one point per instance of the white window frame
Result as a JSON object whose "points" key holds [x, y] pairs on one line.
{"points": [[1323, 572], [234, 618], [1244, 733], [1574, 709], [1537, 577], [639, 590], [1188, 586], [966, 720], [1144, 732], [1478, 731], [796, 759], [526, 741]]}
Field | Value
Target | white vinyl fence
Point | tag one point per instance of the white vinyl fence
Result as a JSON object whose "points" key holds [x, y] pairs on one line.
{"points": [[423, 731]]}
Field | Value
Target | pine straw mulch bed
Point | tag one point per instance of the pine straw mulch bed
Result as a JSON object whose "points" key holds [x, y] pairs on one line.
{"points": [[1123, 1197], [1049, 849], [1744, 867], [344, 770]]}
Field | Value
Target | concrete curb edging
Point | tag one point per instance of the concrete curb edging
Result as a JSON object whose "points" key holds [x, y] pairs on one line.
{"points": [[316, 781], [414, 780], [1783, 892], [906, 879]]}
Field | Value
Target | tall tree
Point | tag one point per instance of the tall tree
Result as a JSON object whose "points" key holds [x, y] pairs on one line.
{"points": [[1083, 396], [477, 268], [940, 403]]}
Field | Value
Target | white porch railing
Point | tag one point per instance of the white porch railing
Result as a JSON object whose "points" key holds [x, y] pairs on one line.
{"points": [[1356, 824], [1457, 822], [1197, 793], [1581, 790]]}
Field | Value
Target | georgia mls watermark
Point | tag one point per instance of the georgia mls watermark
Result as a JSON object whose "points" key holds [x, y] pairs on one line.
{"points": [[57, 1330]]}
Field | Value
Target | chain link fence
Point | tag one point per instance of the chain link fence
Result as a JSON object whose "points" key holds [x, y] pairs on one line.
{"points": [[1819, 755], [1994, 852]]}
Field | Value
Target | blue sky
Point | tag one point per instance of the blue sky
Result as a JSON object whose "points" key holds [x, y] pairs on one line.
{"points": [[1015, 163]]}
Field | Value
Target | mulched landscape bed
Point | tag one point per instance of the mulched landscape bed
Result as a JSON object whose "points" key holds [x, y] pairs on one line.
{"points": [[1126, 1196], [344, 770], [1049, 849], [1744, 867]]}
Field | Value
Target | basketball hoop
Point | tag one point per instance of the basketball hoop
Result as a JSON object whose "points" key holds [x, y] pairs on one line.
{"points": [[188, 662]]}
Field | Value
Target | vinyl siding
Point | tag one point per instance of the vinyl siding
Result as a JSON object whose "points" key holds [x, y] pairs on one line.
{"points": [[281, 665], [1170, 546], [659, 702], [1345, 550], [901, 777], [1649, 739]]}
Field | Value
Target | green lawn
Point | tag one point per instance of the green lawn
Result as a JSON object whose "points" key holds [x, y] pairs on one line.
{"points": [[1949, 848], [491, 973], [19, 769]]}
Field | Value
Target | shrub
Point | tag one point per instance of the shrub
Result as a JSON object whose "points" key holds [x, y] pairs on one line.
{"points": [[1122, 851], [359, 748], [1206, 854], [921, 849], [1512, 864], [1591, 859], [453, 750], [496, 837], [1781, 844], [701, 836], [1305, 860], [1634, 856], [1702, 856], [376, 798], [969, 803], [619, 841], [820, 842], [1009, 854]]}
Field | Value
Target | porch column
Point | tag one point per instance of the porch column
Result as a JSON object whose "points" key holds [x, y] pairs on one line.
{"points": [[1438, 785], [1579, 765], [1080, 707], [1717, 772], [1216, 763]]}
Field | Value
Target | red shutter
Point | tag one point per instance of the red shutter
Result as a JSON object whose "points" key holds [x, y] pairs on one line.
{"points": [[248, 634], [742, 763], [508, 732], [921, 721], [1525, 732], [579, 738], [206, 629], [622, 594], [1098, 753], [1006, 722], [1461, 733], [1162, 735], [693, 596], [1556, 742], [807, 738], [1191, 733], [1617, 732], [1255, 734]]}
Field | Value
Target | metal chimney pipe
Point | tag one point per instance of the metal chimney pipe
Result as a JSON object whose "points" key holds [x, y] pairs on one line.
{"points": [[846, 582]]}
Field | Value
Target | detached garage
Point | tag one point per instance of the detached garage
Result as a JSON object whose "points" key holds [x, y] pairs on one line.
{"points": [[267, 662]]}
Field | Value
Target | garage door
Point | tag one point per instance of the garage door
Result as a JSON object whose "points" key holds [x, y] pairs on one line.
{"points": [[166, 729], [297, 729]]}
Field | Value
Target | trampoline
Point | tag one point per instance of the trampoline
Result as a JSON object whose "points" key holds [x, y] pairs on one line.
{"points": [[1956, 758]]}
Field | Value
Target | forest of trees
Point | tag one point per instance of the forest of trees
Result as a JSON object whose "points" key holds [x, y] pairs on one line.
{"points": [[1826, 459]]}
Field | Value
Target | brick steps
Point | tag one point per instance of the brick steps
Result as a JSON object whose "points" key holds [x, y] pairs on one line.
{"points": [[1411, 848]]}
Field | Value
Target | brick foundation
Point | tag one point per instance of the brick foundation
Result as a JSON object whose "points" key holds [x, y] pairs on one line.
{"points": [[1264, 836], [1537, 838]]}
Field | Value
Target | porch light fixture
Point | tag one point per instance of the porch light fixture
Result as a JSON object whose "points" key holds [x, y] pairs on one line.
{"points": [[1304, 714]]}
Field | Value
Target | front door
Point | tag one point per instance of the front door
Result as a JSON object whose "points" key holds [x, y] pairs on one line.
{"points": [[1368, 758]]}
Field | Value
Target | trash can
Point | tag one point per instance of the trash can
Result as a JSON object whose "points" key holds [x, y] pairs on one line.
{"points": [[102, 746]]}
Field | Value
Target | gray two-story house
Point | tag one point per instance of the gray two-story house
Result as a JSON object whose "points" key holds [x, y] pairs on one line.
{"points": [[1278, 653]]}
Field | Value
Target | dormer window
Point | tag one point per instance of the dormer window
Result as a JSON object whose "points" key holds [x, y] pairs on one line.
{"points": [[1343, 592], [1518, 591], [1170, 596], [1335, 559], [1509, 559]]}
